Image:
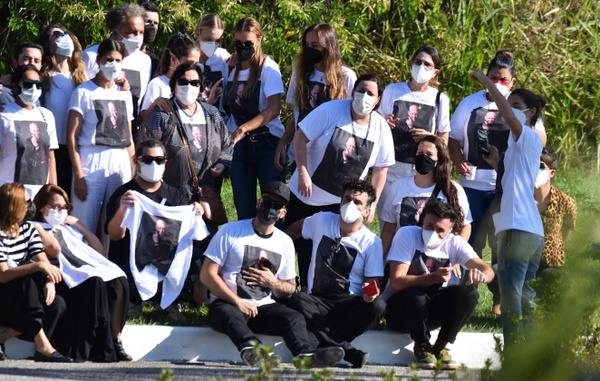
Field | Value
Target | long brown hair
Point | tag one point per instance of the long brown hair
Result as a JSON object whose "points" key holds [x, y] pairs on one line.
{"points": [[13, 207], [441, 176], [42, 198], [76, 65], [332, 59], [250, 25]]}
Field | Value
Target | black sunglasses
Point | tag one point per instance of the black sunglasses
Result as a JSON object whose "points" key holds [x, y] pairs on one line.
{"points": [[28, 84], [268, 201], [147, 159], [58, 207], [59, 34], [185, 82], [247, 44]]}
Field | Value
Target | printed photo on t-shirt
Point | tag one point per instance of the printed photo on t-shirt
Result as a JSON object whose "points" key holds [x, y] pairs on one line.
{"points": [[135, 82], [411, 209], [210, 79], [423, 264], [485, 123], [73, 259], [410, 115], [240, 103], [112, 128], [333, 264], [196, 135], [317, 94], [33, 150], [156, 242], [258, 258], [346, 157]]}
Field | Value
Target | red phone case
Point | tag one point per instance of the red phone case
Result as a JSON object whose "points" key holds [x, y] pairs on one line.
{"points": [[371, 289]]}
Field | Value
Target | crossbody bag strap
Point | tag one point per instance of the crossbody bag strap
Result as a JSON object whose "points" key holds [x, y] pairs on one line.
{"points": [[187, 147]]}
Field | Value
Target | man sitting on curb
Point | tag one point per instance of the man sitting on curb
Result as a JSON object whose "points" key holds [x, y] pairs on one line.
{"points": [[347, 259], [246, 264], [421, 261]]}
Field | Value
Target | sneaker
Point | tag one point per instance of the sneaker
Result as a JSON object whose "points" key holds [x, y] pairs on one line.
{"points": [[323, 357], [174, 314], [120, 351], [424, 355], [2, 352], [356, 357], [254, 357], [447, 362]]}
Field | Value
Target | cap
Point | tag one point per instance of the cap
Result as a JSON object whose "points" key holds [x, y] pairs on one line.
{"points": [[278, 188]]}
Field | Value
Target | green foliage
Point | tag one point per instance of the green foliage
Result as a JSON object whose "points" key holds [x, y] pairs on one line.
{"points": [[166, 375]]}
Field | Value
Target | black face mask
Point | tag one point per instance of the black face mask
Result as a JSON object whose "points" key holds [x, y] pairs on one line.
{"points": [[424, 164], [312, 55], [244, 52], [266, 214], [150, 32], [30, 212]]}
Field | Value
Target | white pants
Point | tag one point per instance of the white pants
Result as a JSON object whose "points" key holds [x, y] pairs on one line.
{"points": [[395, 172]]}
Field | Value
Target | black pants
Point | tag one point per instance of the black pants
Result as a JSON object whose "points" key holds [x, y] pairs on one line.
{"points": [[272, 319], [418, 310], [336, 320], [64, 169]]}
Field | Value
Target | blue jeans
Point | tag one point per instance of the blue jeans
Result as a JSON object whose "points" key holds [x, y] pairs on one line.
{"points": [[519, 254], [253, 158]]}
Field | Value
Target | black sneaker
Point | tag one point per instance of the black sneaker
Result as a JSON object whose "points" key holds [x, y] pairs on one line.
{"points": [[323, 357], [254, 357], [356, 357], [120, 351], [56, 356], [3, 355]]}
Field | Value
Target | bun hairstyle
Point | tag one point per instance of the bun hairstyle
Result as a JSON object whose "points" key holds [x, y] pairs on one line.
{"points": [[532, 100], [504, 59], [435, 57], [180, 46]]}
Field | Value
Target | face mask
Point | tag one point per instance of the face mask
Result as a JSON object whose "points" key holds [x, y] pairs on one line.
{"points": [[244, 52], [64, 45], [56, 217], [209, 47], [31, 95], [312, 55], [502, 87], [30, 212], [187, 94], [152, 172], [363, 103], [266, 214], [424, 164], [431, 239], [349, 212], [542, 177], [150, 31], [133, 44], [421, 74], [520, 115], [111, 70]]}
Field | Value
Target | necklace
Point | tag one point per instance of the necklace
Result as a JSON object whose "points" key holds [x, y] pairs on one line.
{"points": [[359, 148], [192, 114]]}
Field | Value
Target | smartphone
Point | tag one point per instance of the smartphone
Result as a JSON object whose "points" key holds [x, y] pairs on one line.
{"points": [[371, 289]]}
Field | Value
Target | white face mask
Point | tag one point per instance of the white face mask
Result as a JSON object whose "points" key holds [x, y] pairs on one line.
{"points": [[152, 172], [187, 94], [349, 212], [363, 103], [542, 177], [133, 44], [56, 217], [64, 45], [431, 239], [503, 89], [421, 74], [31, 95], [209, 47], [520, 115], [111, 70]]}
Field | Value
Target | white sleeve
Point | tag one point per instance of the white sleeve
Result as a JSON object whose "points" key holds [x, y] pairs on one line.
{"points": [[288, 271], [77, 102], [349, 80], [271, 79], [387, 103], [386, 155], [219, 246], [463, 201], [402, 249], [318, 120], [51, 127], [460, 251], [291, 89], [444, 114], [128, 105], [89, 60], [310, 225], [388, 211], [459, 121], [152, 92]]}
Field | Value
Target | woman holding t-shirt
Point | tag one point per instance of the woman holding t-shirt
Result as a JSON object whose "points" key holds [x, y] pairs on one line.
{"points": [[318, 77], [99, 136], [253, 102]]}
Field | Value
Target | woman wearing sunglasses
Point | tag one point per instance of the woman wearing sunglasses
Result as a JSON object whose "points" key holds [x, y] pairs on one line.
{"points": [[253, 103], [65, 71], [27, 134], [99, 136]]}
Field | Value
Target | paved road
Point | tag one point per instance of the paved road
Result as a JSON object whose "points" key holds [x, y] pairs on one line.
{"points": [[21, 370]]}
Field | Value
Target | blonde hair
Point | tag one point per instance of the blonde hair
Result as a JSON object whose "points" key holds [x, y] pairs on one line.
{"points": [[13, 207], [249, 24], [209, 21]]}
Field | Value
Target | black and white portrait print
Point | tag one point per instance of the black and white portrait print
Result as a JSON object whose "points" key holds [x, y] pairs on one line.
{"points": [[33, 150], [241, 103], [261, 259], [156, 242], [410, 115], [411, 209], [196, 136], [333, 264], [66, 252], [490, 123], [316, 94], [423, 264], [112, 128], [346, 157], [210, 79]]}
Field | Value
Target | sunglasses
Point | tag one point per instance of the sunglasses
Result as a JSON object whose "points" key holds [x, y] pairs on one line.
{"points": [[28, 84], [270, 202], [59, 34], [185, 82], [247, 44], [147, 159], [58, 207]]}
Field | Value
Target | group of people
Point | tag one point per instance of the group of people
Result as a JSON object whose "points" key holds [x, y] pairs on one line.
{"points": [[112, 161]]}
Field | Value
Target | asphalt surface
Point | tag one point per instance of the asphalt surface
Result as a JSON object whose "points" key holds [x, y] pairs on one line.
{"points": [[20, 370]]}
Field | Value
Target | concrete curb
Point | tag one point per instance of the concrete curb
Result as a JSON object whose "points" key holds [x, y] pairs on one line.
{"points": [[155, 343]]}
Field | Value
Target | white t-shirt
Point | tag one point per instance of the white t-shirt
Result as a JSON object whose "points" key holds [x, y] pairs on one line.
{"points": [[408, 247], [137, 69], [236, 247], [340, 267], [215, 68], [61, 88], [97, 106], [339, 150], [23, 158], [408, 201], [241, 110], [157, 88], [518, 208]]}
